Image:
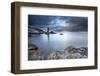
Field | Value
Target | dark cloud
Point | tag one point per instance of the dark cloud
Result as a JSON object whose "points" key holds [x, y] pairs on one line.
{"points": [[76, 23], [39, 20]]}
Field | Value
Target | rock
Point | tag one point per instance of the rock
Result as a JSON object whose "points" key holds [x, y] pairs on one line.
{"points": [[83, 50], [68, 53], [61, 33], [85, 56], [75, 53], [34, 53], [56, 55], [52, 32], [71, 49], [32, 47]]}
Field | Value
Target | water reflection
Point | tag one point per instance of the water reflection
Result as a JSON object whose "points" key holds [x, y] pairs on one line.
{"points": [[54, 42]]}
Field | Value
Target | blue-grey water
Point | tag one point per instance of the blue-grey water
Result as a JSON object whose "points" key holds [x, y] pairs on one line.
{"points": [[58, 42]]}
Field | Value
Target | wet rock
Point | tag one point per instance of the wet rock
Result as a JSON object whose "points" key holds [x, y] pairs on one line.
{"points": [[84, 56], [71, 49], [75, 53], [61, 33], [32, 47], [84, 51], [74, 56], [68, 53], [56, 55], [34, 53], [52, 32]]}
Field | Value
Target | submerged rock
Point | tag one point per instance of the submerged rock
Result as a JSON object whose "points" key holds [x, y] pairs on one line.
{"points": [[61, 33]]}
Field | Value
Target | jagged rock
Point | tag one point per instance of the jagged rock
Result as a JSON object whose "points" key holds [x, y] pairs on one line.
{"points": [[83, 51], [34, 53], [84, 56], [52, 32], [56, 55], [75, 53], [74, 56], [68, 53], [70, 49]]}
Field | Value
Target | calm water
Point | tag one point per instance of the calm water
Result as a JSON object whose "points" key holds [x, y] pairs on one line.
{"points": [[57, 42]]}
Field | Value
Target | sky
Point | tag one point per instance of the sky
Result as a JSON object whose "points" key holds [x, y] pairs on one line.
{"points": [[67, 22]]}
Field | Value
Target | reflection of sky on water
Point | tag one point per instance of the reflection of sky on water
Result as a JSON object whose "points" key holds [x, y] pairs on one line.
{"points": [[59, 42]]}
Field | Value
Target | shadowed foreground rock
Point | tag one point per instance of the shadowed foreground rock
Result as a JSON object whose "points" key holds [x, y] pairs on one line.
{"points": [[34, 53]]}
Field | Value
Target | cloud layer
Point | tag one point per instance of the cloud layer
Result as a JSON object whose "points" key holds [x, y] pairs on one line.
{"points": [[67, 22]]}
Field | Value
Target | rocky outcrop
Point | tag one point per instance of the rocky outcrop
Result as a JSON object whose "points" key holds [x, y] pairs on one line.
{"points": [[76, 53], [34, 53], [68, 53], [56, 55]]}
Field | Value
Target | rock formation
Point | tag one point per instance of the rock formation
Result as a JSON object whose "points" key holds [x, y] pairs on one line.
{"points": [[34, 53], [68, 53]]}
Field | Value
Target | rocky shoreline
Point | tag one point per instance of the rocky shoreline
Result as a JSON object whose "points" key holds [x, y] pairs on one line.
{"points": [[68, 53]]}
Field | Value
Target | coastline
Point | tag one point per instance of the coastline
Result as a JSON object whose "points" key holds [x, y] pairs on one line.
{"points": [[70, 52]]}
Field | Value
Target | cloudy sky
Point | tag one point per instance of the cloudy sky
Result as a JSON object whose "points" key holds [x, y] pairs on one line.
{"points": [[67, 22]]}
